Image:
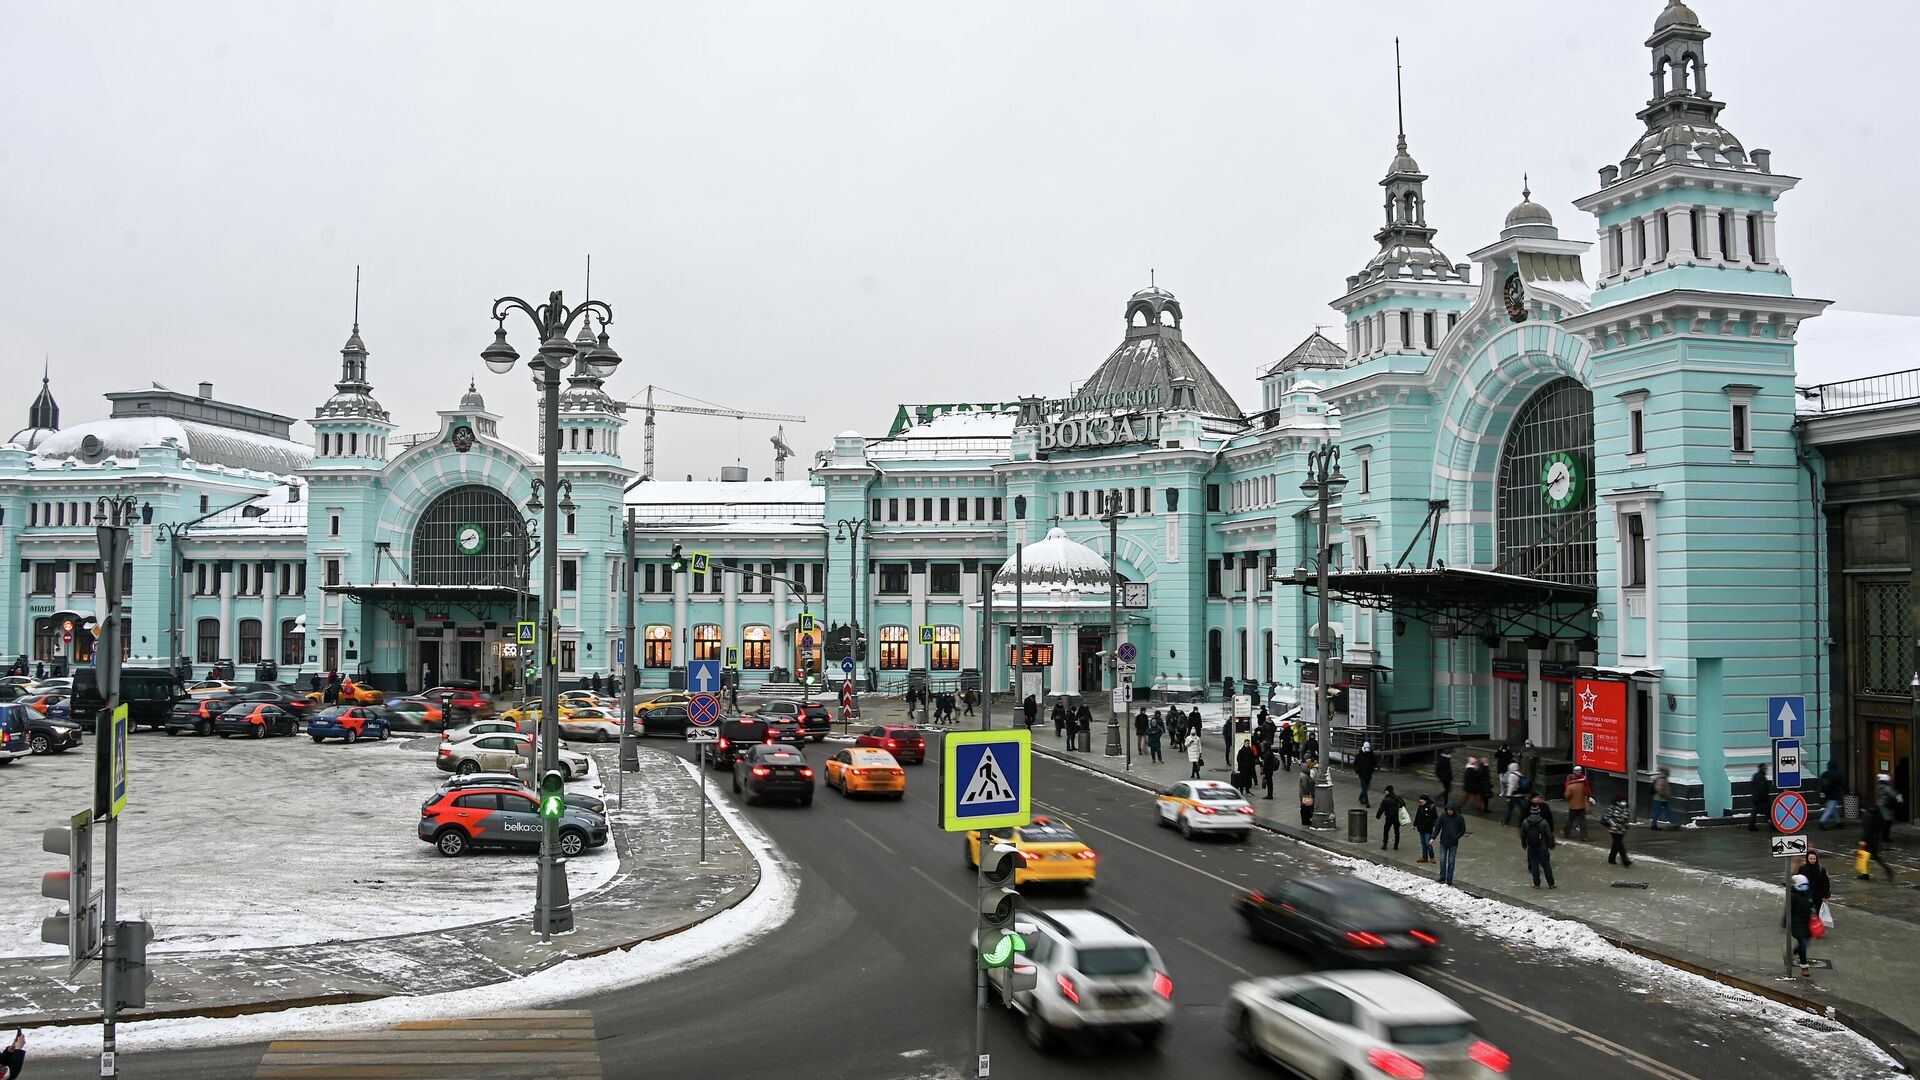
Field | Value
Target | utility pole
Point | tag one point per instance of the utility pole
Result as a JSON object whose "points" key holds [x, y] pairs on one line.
{"points": [[123, 952], [1019, 638], [629, 749]]}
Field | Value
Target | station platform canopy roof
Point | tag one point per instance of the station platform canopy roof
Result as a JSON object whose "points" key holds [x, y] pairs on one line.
{"points": [[1466, 601]]}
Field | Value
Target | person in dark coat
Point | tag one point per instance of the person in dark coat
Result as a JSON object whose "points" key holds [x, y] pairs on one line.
{"points": [[1059, 719], [1818, 883], [1363, 765], [1473, 781], [1193, 722], [1502, 757], [1306, 793], [594, 683], [1536, 836], [1283, 742], [1140, 732], [1311, 748], [1800, 915], [1451, 828], [313, 681], [1616, 821], [1759, 796], [1389, 815], [1833, 789], [1426, 819], [1244, 763], [1072, 723], [1269, 764], [14, 1058], [1083, 724], [1443, 772], [1156, 731], [1030, 709]]}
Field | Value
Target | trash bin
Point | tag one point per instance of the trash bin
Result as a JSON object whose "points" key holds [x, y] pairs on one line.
{"points": [[1850, 806], [1357, 825], [1086, 740]]}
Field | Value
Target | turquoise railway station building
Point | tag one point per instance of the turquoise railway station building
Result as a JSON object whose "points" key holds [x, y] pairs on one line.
{"points": [[1570, 462]]}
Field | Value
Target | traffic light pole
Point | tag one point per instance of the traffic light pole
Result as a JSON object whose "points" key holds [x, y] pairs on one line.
{"points": [[980, 968], [629, 749], [106, 661]]}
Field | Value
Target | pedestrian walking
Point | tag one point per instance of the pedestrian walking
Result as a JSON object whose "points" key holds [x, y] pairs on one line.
{"points": [[1156, 730], [1514, 786], [14, 1058], [1759, 794], [1426, 818], [1392, 808], [1871, 845], [733, 698], [1306, 792], [1140, 732], [1888, 799], [1579, 793], [1059, 720], [1227, 727], [1083, 726], [593, 683], [1663, 799], [1473, 781], [1616, 821], [1269, 764], [1283, 742], [1030, 711], [1502, 757], [1193, 754], [1819, 885], [1536, 836], [1800, 909], [1451, 828], [1193, 721], [1443, 772], [1833, 789], [313, 681], [426, 677], [1363, 763], [1244, 763]]}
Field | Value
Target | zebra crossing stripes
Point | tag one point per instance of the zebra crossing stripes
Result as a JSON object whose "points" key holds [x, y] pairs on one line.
{"points": [[530, 1044]]}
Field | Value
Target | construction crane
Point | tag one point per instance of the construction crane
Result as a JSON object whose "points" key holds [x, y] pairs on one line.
{"points": [[781, 450]]}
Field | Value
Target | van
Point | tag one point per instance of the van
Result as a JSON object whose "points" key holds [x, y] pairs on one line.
{"points": [[15, 742], [147, 692], [736, 737]]}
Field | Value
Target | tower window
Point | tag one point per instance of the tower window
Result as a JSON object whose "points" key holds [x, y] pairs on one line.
{"points": [[1726, 235], [1636, 552], [1431, 340], [1636, 431], [1742, 428], [1406, 329], [1699, 231], [1754, 253]]}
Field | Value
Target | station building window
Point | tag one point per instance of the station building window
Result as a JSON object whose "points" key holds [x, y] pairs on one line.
{"points": [[895, 648], [945, 649], [756, 648], [658, 647], [706, 641]]}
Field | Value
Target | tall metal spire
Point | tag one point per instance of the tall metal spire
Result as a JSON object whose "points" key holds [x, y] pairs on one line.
{"points": [[1399, 107], [356, 298]]}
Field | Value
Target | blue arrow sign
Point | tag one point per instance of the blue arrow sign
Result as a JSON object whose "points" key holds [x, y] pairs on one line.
{"points": [[1787, 717], [703, 676], [846, 664]]}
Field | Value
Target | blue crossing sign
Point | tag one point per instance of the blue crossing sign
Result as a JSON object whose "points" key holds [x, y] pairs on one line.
{"points": [[986, 779], [703, 676], [529, 632], [1787, 717]]}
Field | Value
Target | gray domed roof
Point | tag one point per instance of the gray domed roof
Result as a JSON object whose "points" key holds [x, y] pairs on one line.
{"points": [[1056, 564], [1675, 13], [1528, 212], [472, 399]]}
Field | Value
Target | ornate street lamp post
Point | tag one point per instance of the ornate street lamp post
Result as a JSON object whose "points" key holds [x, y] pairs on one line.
{"points": [[553, 911], [1324, 483], [851, 531]]}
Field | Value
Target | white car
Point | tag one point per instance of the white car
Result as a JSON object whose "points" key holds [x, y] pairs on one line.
{"points": [[1093, 976], [592, 724], [211, 687], [501, 752], [1204, 806], [1359, 1023]]}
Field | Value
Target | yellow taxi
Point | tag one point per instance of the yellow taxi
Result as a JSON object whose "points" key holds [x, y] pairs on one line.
{"points": [[1203, 806], [1053, 851], [217, 687], [671, 697], [863, 770], [353, 693]]}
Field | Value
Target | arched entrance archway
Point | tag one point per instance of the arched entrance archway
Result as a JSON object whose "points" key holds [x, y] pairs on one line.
{"points": [[1546, 512]]}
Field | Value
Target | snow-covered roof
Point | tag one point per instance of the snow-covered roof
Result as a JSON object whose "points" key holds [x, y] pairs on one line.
{"points": [[1058, 563], [284, 515], [1839, 345], [208, 444], [726, 492], [717, 505]]}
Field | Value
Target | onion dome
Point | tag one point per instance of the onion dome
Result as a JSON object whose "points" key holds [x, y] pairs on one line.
{"points": [[472, 399], [1675, 14], [1056, 564]]}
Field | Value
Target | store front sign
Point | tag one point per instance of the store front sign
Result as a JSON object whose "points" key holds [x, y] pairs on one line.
{"points": [[1600, 724], [1092, 431]]}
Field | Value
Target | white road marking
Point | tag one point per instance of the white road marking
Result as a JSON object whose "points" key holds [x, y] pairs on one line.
{"points": [[870, 836]]}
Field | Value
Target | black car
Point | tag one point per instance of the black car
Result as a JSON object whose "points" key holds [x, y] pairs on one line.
{"points": [[773, 772], [786, 731], [297, 704], [47, 735], [665, 720], [813, 717], [196, 715], [737, 737], [148, 694], [1342, 919], [255, 720]]}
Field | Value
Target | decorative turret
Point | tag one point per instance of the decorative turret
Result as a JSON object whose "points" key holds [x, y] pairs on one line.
{"points": [[351, 426], [43, 416]]}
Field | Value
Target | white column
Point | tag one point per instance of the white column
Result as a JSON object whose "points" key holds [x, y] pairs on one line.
{"points": [[969, 619], [782, 641], [1353, 339], [917, 603], [228, 633], [1609, 265], [1636, 241], [1228, 657], [1710, 235], [682, 633], [729, 613], [1737, 237], [1394, 340], [269, 626], [1679, 235], [1768, 253], [60, 581], [1251, 622], [1063, 669]]}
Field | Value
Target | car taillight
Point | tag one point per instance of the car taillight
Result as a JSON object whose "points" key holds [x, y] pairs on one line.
{"points": [[1361, 940], [723, 743], [1067, 988], [806, 772], [1163, 985], [1256, 898], [897, 772], [1246, 809], [1423, 938], [762, 770], [1204, 810], [892, 745], [1490, 1056], [1087, 855], [1395, 1064], [446, 751]]}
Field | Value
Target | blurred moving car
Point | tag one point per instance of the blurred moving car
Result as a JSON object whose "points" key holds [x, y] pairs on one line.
{"points": [[457, 702], [349, 724], [484, 779], [292, 702], [352, 693], [255, 721], [1343, 919], [660, 701], [209, 687], [495, 727], [50, 735], [15, 741], [664, 720], [591, 724], [415, 714], [1337, 1024], [1054, 853], [1204, 806], [51, 703], [196, 715], [501, 752], [866, 771], [773, 772], [811, 716], [502, 816], [1095, 976], [905, 743]]}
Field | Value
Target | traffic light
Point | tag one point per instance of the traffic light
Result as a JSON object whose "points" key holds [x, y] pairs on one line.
{"points": [[676, 562], [553, 794], [78, 927], [998, 899]]}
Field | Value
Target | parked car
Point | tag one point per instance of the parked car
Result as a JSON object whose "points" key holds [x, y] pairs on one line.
{"points": [[1359, 1023], [196, 715], [15, 736], [255, 720], [485, 779], [50, 735], [147, 692], [51, 703], [662, 700], [773, 772], [1341, 919], [349, 723], [812, 716], [457, 821]]}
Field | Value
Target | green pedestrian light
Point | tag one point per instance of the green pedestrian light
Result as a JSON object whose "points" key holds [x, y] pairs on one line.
{"points": [[553, 794], [676, 562], [1001, 948]]}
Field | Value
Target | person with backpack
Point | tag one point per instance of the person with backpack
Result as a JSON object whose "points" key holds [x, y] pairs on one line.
{"points": [[1391, 807], [1426, 818], [1452, 826], [1513, 784], [1363, 765], [1536, 836], [1616, 821], [1579, 792]]}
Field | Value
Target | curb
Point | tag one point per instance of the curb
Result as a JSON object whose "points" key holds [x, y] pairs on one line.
{"points": [[738, 896], [1896, 1039]]}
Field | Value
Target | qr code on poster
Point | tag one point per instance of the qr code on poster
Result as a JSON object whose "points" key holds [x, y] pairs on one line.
{"points": [[1586, 742]]}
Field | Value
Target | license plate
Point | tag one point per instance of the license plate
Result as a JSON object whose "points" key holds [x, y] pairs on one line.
{"points": [[1059, 856]]}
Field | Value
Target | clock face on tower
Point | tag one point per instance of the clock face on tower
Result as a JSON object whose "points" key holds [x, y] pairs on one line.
{"points": [[469, 539], [1560, 481], [1515, 295]]}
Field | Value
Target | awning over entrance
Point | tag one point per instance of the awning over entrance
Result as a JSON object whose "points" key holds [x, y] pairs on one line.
{"points": [[1466, 601], [401, 600]]}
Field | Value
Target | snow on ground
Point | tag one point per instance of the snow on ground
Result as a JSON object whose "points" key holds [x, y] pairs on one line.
{"points": [[765, 909], [236, 844]]}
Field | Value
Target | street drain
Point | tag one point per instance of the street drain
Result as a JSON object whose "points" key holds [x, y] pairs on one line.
{"points": [[1629, 884]]}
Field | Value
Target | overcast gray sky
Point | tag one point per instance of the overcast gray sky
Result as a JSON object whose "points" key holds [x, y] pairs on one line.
{"points": [[831, 208]]}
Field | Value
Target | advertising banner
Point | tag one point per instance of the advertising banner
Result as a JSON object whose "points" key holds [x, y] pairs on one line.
{"points": [[1600, 725]]}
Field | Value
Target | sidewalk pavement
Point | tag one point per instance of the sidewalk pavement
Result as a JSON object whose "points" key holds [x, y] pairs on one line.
{"points": [[1706, 899], [659, 889]]}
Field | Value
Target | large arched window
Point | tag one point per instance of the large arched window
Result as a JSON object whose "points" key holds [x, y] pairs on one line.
{"points": [[756, 648], [471, 535], [895, 648], [946, 648], [659, 646], [706, 641], [249, 641], [293, 643], [207, 635], [1546, 512]]}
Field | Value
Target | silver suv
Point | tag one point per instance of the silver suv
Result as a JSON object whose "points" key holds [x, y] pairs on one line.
{"points": [[1094, 976]]}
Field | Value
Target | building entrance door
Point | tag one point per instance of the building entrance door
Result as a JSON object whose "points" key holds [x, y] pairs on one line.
{"points": [[429, 660], [1890, 751], [1090, 666], [470, 660]]}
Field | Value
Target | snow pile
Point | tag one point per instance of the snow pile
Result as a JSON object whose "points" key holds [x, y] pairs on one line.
{"points": [[765, 909]]}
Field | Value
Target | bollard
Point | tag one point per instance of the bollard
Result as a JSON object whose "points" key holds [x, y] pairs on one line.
{"points": [[1357, 825]]}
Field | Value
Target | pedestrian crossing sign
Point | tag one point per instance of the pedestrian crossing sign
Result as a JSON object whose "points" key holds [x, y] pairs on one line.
{"points": [[985, 780]]}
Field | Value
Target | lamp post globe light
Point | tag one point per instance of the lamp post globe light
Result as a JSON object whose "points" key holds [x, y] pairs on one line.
{"points": [[850, 532], [1323, 484], [553, 909]]}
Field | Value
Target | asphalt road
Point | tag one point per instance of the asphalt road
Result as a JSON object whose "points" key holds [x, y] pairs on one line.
{"points": [[870, 977]]}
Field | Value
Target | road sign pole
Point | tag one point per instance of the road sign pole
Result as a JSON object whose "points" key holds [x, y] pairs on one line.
{"points": [[703, 802], [979, 969]]}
